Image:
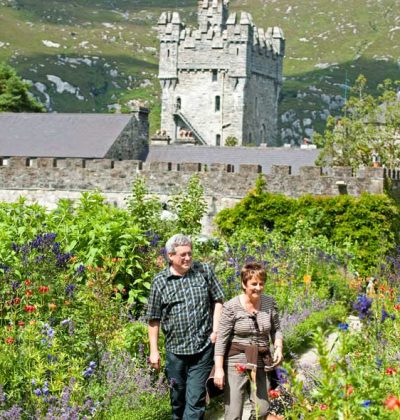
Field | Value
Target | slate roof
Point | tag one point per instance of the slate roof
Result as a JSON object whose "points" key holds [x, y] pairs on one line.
{"points": [[59, 135], [264, 156]]}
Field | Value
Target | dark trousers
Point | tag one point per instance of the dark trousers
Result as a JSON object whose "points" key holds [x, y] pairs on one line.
{"points": [[187, 375]]}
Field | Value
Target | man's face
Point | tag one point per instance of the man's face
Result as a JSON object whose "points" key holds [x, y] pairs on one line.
{"points": [[181, 260]]}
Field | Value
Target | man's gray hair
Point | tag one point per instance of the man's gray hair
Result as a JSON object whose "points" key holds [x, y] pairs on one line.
{"points": [[177, 240]]}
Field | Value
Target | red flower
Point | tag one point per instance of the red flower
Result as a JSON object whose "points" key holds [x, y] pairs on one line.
{"points": [[323, 407], [21, 323], [9, 340], [349, 390], [240, 368], [27, 282], [391, 371], [273, 394], [29, 292], [43, 289], [392, 402], [29, 308], [397, 307]]}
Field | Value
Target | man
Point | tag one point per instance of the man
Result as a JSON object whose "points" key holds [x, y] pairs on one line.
{"points": [[186, 300]]}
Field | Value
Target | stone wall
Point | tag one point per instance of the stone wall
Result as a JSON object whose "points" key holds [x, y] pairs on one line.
{"points": [[46, 180]]}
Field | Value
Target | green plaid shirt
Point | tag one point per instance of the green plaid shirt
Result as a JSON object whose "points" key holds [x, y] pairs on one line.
{"points": [[184, 307]]}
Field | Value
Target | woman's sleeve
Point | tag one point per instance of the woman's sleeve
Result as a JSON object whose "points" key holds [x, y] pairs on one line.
{"points": [[225, 329], [276, 332]]}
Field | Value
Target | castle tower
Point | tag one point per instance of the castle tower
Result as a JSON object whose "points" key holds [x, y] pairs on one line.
{"points": [[212, 13], [220, 80]]}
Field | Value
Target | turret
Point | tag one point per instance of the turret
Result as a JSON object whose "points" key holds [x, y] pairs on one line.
{"points": [[212, 13]]}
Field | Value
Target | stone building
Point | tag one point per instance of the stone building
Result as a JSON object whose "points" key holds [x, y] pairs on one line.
{"points": [[112, 136], [221, 79]]}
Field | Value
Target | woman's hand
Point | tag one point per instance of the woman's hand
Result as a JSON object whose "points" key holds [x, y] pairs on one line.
{"points": [[219, 378], [278, 355]]}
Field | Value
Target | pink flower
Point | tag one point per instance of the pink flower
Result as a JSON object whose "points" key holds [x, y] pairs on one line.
{"points": [[323, 407], [240, 368], [9, 340], [273, 394]]}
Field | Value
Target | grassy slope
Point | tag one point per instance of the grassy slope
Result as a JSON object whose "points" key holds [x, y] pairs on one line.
{"points": [[327, 40]]}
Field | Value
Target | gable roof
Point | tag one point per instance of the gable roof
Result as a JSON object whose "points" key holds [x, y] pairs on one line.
{"points": [[264, 156], [59, 135]]}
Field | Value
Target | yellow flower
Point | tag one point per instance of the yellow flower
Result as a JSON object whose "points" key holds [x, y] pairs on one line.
{"points": [[307, 279]]}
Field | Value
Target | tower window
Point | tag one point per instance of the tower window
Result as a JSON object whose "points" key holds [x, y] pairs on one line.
{"points": [[214, 75], [168, 53], [217, 103], [218, 140], [237, 51]]}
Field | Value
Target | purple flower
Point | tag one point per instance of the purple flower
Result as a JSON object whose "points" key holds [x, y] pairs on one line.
{"points": [[69, 290], [363, 306], [37, 392]]}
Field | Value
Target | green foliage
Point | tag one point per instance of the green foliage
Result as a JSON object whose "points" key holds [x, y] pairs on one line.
{"points": [[365, 226], [14, 95], [301, 336], [367, 130], [231, 141]]}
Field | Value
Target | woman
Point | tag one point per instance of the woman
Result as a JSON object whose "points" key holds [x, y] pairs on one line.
{"points": [[242, 350]]}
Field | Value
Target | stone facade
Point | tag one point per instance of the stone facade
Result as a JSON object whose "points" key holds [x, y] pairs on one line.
{"points": [[221, 79], [46, 180]]}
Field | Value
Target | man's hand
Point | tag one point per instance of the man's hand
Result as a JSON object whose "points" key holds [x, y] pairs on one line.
{"points": [[155, 361]]}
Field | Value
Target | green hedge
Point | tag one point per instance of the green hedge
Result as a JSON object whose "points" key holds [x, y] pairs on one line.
{"points": [[370, 223]]}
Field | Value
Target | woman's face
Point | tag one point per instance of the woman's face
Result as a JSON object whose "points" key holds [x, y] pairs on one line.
{"points": [[254, 287]]}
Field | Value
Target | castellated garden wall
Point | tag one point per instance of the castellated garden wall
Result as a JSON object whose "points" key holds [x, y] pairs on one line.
{"points": [[46, 180]]}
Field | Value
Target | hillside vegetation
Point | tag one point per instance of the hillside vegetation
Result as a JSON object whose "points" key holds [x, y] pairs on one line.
{"points": [[100, 56]]}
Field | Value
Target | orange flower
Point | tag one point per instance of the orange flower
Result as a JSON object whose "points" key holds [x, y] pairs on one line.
{"points": [[392, 402], [307, 279], [29, 292], [9, 340], [397, 307], [27, 282], [16, 301], [67, 302], [240, 368], [349, 390], [52, 306], [21, 323]]}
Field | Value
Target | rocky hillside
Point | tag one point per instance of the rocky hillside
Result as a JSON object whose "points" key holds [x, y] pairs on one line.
{"points": [[102, 55]]}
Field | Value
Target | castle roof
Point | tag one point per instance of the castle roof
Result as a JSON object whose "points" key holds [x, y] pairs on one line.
{"points": [[264, 156], [60, 135]]}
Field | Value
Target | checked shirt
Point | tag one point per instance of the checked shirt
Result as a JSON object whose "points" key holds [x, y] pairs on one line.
{"points": [[183, 305]]}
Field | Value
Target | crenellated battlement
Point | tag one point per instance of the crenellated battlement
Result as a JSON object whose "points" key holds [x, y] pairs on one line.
{"points": [[217, 178], [46, 180]]}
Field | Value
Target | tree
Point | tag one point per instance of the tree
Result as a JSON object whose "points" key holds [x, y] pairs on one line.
{"points": [[14, 93], [369, 127]]}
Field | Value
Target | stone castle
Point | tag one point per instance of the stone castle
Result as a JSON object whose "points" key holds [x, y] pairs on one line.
{"points": [[221, 80]]}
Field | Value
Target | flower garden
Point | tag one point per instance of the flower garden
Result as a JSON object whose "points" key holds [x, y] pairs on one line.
{"points": [[74, 283]]}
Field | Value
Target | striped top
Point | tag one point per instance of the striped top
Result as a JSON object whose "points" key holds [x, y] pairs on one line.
{"points": [[238, 325]]}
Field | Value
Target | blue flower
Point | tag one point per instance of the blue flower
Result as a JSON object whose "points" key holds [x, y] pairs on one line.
{"points": [[343, 326], [37, 392], [366, 403]]}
